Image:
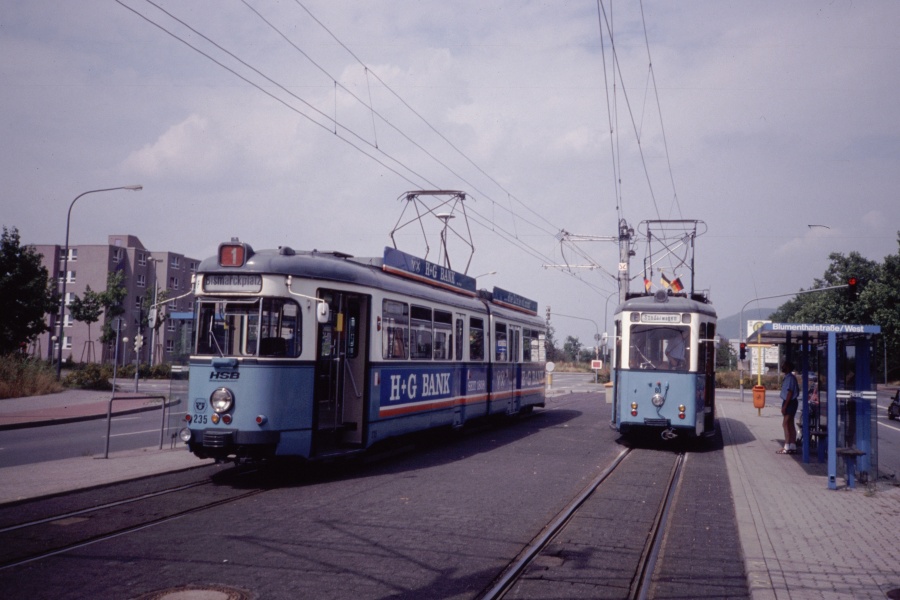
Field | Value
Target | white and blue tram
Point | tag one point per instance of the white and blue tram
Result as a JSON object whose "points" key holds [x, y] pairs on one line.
{"points": [[663, 376], [317, 354]]}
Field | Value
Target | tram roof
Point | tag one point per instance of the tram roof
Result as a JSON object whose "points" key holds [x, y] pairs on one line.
{"points": [[662, 302], [345, 268]]}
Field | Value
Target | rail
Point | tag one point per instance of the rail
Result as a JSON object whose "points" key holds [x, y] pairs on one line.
{"points": [[162, 429]]}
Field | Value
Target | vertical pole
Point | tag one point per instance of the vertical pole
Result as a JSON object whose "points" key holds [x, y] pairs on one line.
{"points": [[115, 372], [832, 410], [805, 417]]}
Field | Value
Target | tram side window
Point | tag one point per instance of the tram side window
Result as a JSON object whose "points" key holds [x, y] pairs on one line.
{"points": [[476, 339], [420, 333], [279, 329], [459, 336], [531, 345], [500, 348], [395, 318], [618, 342], [443, 335], [702, 348]]}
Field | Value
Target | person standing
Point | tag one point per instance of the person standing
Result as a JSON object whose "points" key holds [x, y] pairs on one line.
{"points": [[790, 391]]}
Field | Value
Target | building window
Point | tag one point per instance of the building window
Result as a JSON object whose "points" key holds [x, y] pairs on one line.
{"points": [[170, 346], [142, 259], [141, 280], [171, 326], [173, 283], [73, 254], [67, 320], [138, 300], [70, 296], [67, 342], [176, 262], [70, 277], [117, 255]]}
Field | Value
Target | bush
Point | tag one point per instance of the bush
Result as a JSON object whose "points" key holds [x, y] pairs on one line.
{"points": [[90, 376], [732, 380], [20, 377], [161, 371]]}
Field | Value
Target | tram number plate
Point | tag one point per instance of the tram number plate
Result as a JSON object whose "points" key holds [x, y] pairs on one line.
{"points": [[199, 419]]}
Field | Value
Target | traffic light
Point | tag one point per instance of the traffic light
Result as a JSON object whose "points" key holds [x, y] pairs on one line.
{"points": [[852, 289], [743, 351]]}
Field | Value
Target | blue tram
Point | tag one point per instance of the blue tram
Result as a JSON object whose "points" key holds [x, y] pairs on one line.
{"points": [[663, 376], [319, 354]]}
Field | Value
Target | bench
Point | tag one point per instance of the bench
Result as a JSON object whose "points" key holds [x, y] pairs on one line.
{"points": [[850, 455]]}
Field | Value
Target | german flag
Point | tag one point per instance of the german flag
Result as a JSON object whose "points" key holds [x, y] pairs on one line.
{"points": [[676, 285], [665, 281]]}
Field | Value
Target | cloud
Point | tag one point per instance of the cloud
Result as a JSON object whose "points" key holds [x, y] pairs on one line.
{"points": [[191, 149]]}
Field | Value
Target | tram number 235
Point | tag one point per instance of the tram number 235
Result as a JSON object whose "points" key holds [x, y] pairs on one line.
{"points": [[199, 419]]}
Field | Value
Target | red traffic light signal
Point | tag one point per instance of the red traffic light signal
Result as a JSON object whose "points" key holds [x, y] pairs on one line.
{"points": [[852, 289], [743, 351]]}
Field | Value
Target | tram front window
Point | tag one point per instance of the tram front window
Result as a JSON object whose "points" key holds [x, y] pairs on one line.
{"points": [[267, 327], [655, 347]]}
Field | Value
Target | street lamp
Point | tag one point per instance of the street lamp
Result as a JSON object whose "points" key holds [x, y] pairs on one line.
{"points": [[62, 301]]}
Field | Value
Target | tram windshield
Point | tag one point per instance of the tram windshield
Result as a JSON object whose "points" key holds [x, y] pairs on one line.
{"points": [[655, 347], [266, 327]]}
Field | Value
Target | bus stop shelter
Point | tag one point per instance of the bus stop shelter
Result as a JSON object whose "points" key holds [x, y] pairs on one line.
{"points": [[844, 352]]}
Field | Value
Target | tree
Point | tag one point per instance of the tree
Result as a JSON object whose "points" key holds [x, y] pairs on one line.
{"points": [[726, 357], [553, 353], [26, 293], [881, 299], [878, 303], [112, 298], [87, 310], [571, 348]]}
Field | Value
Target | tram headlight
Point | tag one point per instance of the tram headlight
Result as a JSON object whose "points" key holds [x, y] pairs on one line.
{"points": [[221, 400], [185, 435], [658, 400]]}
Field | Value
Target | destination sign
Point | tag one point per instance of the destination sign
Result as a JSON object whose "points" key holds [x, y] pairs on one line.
{"points": [[407, 265], [515, 301], [216, 283], [660, 318]]}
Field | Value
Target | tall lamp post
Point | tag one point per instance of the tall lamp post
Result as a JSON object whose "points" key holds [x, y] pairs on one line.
{"points": [[62, 300]]}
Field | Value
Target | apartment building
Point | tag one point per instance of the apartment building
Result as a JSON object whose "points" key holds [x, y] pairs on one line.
{"points": [[149, 277]]}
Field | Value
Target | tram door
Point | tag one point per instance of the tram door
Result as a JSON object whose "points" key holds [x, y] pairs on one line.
{"points": [[340, 370]]}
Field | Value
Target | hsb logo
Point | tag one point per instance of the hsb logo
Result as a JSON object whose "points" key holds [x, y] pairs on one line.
{"points": [[227, 375]]}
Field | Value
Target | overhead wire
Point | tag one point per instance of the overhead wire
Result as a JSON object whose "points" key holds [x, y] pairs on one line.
{"points": [[362, 144]]}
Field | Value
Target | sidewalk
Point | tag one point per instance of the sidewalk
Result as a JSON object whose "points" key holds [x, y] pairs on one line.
{"points": [[41, 479], [800, 539]]}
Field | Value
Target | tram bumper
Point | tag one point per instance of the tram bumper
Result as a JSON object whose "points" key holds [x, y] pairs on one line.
{"points": [[225, 443]]}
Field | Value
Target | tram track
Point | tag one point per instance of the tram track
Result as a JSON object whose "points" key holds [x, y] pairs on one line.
{"points": [[513, 582], [60, 532]]}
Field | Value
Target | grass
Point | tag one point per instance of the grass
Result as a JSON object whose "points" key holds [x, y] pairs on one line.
{"points": [[21, 377]]}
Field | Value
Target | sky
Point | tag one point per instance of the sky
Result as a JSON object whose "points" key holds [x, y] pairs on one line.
{"points": [[305, 122]]}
